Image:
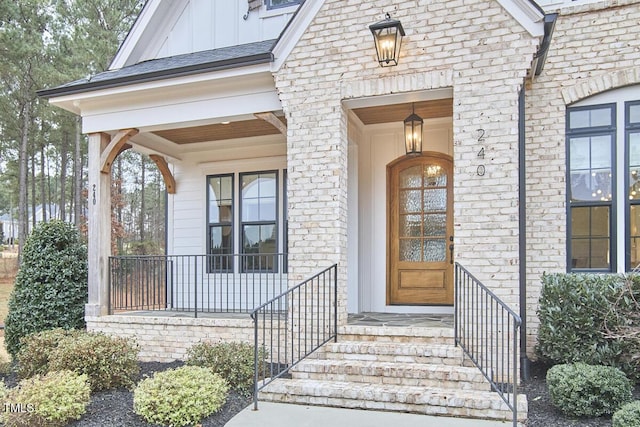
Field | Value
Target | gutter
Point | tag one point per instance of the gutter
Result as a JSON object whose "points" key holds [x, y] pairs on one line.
{"points": [[261, 58], [541, 56], [525, 363]]}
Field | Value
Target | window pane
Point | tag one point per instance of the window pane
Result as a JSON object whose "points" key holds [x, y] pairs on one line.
{"points": [[435, 200], [435, 250], [410, 250], [590, 237], [579, 119], [411, 178], [435, 176], [220, 239], [634, 149], [435, 225], [634, 114], [634, 244], [220, 199], [579, 153], [259, 238], [259, 197], [600, 117], [410, 201], [410, 226], [601, 151]]}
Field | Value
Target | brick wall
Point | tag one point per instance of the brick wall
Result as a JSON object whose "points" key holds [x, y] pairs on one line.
{"points": [[474, 47], [595, 47], [165, 339]]}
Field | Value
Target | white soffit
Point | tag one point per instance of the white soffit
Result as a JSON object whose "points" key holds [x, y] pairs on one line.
{"points": [[527, 15], [292, 33]]}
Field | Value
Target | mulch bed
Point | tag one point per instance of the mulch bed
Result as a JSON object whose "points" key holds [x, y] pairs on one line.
{"points": [[115, 407], [543, 414]]}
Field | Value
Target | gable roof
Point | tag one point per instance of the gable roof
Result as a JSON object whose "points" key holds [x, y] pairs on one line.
{"points": [[173, 66], [527, 12]]}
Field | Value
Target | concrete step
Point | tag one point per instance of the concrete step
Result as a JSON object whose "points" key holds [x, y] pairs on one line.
{"points": [[431, 335], [387, 397], [439, 354], [409, 374]]}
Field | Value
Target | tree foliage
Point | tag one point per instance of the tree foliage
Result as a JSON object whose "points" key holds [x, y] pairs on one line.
{"points": [[51, 285], [43, 44]]}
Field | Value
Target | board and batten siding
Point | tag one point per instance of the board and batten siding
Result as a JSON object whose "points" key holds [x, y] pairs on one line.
{"points": [[210, 24]]}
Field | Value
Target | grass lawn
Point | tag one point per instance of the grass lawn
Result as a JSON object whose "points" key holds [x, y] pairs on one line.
{"points": [[6, 286]]}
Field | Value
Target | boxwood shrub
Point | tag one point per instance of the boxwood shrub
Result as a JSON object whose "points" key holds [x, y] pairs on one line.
{"points": [[109, 362], [581, 390], [233, 361], [591, 318], [51, 400], [179, 397], [628, 415], [51, 286]]}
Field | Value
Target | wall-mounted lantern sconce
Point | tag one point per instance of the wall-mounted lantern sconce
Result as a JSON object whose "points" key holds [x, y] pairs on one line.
{"points": [[387, 36], [413, 133]]}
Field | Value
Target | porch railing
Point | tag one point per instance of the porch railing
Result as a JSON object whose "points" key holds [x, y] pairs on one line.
{"points": [[293, 325], [195, 283], [488, 331]]}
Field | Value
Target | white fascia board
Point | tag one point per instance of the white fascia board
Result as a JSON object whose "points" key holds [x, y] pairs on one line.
{"points": [[170, 103], [292, 33], [181, 115], [526, 14]]}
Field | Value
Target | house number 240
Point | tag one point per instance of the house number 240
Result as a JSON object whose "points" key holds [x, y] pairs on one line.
{"points": [[480, 170]]}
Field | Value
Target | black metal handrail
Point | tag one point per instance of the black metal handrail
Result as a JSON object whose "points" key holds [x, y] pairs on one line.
{"points": [[293, 325], [234, 283], [488, 331]]}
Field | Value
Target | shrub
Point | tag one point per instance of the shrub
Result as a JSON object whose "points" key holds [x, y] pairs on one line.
{"points": [[233, 361], [628, 415], [36, 349], [572, 311], [108, 362], [51, 286], [179, 397], [581, 390], [51, 400]]}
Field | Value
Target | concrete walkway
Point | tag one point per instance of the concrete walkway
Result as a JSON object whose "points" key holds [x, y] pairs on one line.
{"points": [[288, 415]]}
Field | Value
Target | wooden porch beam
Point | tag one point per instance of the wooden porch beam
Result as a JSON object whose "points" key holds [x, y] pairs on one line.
{"points": [[271, 118], [167, 176], [114, 148]]}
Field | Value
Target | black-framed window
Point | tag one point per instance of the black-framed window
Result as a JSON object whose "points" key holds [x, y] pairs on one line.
{"points": [[274, 4], [591, 184], [220, 222], [259, 220], [632, 162]]}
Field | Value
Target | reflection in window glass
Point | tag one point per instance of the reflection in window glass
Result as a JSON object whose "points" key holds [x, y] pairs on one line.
{"points": [[591, 185], [590, 237], [259, 213], [220, 207], [634, 114], [596, 117], [271, 4]]}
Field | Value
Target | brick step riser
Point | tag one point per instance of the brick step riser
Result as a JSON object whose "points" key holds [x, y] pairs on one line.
{"points": [[394, 380], [441, 407], [426, 360], [397, 339]]}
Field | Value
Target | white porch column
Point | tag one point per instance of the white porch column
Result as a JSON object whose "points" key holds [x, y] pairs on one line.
{"points": [[99, 228]]}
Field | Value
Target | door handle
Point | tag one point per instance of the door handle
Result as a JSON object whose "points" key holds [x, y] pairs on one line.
{"points": [[451, 249]]}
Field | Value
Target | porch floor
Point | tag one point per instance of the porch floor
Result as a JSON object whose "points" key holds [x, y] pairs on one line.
{"points": [[402, 320]]}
